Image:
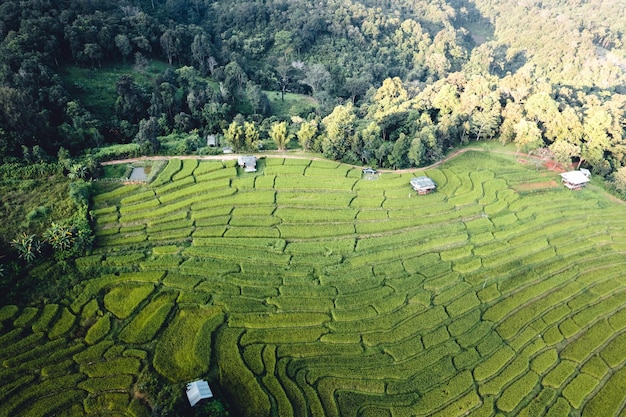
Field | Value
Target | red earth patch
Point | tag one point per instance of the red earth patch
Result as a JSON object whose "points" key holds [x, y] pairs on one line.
{"points": [[554, 166]]}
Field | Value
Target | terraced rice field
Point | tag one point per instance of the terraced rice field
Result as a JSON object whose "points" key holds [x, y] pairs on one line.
{"points": [[307, 290]]}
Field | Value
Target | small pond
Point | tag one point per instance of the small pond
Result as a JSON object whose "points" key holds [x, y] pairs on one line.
{"points": [[138, 174]]}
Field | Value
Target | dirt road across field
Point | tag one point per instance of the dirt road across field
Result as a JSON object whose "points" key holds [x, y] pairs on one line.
{"points": [[222, 157]]}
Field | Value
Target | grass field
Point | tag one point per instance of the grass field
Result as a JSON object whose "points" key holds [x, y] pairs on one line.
{"points": [[98, 93], [317, 292], [23, 210], [293, 104], [96, 88]]}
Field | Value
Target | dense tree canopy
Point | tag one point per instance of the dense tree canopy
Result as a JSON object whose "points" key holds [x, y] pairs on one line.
{"points": [[397, 83]]}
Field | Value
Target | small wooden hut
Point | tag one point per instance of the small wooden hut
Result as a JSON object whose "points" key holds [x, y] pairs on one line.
{"points": [[423, 185], [247, 162], [198, 391], [575, 180]]}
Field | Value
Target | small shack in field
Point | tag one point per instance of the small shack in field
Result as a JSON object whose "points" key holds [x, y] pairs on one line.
{"points": [[247, 162], [423, 185], [575, 180], [198, 391]]}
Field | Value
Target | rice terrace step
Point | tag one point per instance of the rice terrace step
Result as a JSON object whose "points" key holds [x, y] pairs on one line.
{"points": [[314, 289]]}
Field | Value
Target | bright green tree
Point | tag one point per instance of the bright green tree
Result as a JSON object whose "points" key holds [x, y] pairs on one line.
{"points": [[597, 139], [340, 125], [391, 104], [563, 151], [280, 135], [235, 136], [527, 136], [306, 134], [78, 171], [447, 99], [417, 152], [252, 136], [619, 179], [372, 139]]}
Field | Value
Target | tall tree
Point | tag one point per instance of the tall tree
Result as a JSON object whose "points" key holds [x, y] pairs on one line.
{"points": [[315, 76], [235, 136], [398, 158], [82, 130], [147, 136], [234, 78], [252, 136], [426, 134], [123, 45], [372, 139], [283, 72], [18, 118], [597, 138], [283, 42], [131, 102], [390, 105], [357, 87], [306, 134], [170, 45], [527, 136], [339, 125], [563, 151], [480, 101], [279, 133], [257, 99], [201, 50], [213, 115], [619, 180]]}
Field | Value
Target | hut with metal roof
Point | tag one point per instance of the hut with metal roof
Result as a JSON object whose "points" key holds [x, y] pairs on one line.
{"points": [[198, 391], [575, 180], [423, 185], [247, 162]]}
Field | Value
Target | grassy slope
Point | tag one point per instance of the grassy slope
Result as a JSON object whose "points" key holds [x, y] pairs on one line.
{"points": [[31, 205], [344, 296], [95, 89], [292, 105]]}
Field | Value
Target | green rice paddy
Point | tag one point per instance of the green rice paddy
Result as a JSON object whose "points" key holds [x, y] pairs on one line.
{"points": [[307, 290]]}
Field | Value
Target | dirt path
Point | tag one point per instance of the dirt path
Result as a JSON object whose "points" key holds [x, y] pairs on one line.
{"points": [[220, 157], [446, 159], [228, 157]]}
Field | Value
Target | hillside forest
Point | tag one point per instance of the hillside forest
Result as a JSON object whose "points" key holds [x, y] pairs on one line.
{"points": [[396, 83]]}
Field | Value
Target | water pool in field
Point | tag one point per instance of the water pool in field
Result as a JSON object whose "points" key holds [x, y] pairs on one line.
{"points": [[138, 174]]}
